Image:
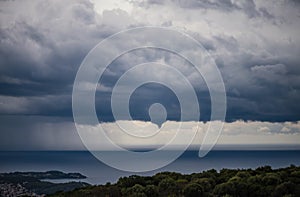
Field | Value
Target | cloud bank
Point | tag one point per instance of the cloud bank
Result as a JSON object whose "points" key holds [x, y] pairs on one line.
{"points": [[255, 45], [42, 133]]}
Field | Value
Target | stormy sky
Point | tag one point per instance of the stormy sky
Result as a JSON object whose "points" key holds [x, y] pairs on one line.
{"points": [[255, 45]]}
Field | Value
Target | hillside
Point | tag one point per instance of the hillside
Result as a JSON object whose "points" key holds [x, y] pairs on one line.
{"points": [[263, 181]]}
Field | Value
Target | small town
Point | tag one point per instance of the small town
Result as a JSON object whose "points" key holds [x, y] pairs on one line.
{"points": [[15, 190]]}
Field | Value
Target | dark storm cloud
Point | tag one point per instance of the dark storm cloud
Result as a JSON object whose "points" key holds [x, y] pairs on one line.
{"points": [[41, 50], [38, 133], [43, 45], [248, 7]]}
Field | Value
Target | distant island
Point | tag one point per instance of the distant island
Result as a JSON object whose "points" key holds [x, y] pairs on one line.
{"points": [[44, 175], [33, 184], [263, 181]]}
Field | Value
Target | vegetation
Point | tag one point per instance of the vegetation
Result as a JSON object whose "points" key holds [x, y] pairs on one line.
{"points": [[263, 181]]}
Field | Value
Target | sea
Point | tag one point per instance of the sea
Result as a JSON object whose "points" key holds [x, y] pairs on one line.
{"points": [[99, 173]]}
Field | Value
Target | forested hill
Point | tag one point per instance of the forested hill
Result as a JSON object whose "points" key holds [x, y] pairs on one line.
{"points": [[263, 181]]}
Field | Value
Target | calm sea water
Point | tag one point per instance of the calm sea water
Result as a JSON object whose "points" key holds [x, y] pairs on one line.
{"points": [[99, 173]]}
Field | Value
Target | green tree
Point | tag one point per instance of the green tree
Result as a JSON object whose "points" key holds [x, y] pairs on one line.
{"points": [[224, 188], [136, 191], [193, 190], [167, 187], [207, 183], [151, 191]]}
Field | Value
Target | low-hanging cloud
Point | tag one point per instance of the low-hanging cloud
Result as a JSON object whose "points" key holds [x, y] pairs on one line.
{"points": [[41, 133]]}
